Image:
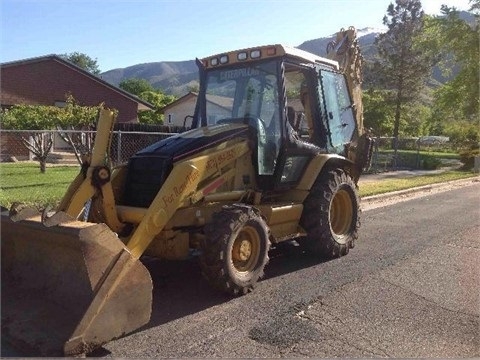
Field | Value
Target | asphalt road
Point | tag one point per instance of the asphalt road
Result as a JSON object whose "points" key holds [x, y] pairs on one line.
{"points": [[410, 288]]}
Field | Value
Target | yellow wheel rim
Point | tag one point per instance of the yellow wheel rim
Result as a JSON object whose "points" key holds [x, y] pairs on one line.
{"points": [[341, 213], [246, 250]]}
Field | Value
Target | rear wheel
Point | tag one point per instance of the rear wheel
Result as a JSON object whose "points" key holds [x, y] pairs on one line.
{"points": [[235, 249], [331, 215]]}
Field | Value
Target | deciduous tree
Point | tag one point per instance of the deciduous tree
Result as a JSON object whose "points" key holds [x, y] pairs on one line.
{"points": [[136, 86], [84, 61], [404, 66], [145, 91], [39, 118], [27, 117], [158, 100], [458, 100]]}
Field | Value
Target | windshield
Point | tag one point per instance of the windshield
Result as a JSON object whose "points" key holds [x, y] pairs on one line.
{"points": [[250, 94], [239, 92]]}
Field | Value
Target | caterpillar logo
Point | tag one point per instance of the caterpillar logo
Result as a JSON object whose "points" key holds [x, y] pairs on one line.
{"points": [[238, 73]]}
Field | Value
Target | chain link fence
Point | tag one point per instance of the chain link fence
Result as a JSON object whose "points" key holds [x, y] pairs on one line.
{"points": [[412, 152], [124, 144]]}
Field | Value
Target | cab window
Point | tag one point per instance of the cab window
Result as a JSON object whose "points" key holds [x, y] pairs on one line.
{"points": [[338, 109]]}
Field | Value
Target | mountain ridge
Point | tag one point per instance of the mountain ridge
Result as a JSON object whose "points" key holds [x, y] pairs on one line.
{"points": [[178, 77]]}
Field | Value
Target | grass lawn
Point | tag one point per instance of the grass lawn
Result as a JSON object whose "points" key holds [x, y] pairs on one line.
{"points": [[428, 160], [23, 182], [389, 185], [431, 153]]}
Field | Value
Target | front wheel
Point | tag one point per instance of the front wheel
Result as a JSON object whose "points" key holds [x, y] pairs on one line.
{"points": [[235, 249], [331, 215]]}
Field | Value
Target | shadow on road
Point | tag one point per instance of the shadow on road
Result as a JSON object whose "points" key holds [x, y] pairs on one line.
{"points": [[180, 290]]}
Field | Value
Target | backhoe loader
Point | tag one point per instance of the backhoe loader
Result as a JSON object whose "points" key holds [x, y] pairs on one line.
{"points": [[274, 154]]}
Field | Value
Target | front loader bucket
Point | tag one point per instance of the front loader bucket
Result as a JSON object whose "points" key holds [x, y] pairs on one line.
{"points": [[70, 288]]}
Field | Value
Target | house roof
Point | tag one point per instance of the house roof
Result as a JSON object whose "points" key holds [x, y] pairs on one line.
{"points": [[143, 105], [221, 101], [185, 97]]}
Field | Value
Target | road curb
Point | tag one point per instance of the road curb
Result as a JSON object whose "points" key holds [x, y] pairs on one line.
{"points": [[460, 182]]}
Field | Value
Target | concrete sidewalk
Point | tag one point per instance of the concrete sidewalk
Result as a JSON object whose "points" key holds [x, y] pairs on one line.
{"points": [[400, 174]]}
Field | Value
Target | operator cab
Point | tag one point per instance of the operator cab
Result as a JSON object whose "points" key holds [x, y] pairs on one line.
{"points": [[296, 103]]}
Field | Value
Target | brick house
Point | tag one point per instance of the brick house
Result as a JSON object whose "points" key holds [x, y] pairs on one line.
{"points": [[176, 112], [46, 80]]}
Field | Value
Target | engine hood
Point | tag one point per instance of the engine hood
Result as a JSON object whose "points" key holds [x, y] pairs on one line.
{"points": [[193, 141]]}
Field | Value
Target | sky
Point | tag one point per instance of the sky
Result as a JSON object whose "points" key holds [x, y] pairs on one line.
{"points": [[121, 33]]}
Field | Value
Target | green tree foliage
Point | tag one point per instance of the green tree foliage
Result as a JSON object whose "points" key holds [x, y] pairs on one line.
{"points": [[456, 103], [378, 112], [27, 117], [84, 61], [145, 91], [31, 117], [136, 86], [159, 100], [414, 119], [39, 117], [404, 66]]}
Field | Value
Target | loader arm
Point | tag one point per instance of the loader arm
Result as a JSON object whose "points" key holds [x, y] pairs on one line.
{"points": [[94, 177]]}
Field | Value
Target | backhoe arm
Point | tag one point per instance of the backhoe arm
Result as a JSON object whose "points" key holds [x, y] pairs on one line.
{"points": [[346, 51]]}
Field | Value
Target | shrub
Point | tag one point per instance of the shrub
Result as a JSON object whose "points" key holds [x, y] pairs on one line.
{"points": [[467, 157], [431, 163]]}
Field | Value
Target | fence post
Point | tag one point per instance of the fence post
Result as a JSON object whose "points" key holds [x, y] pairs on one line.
{"points": [[375, 156], [417, 162], [476, 164], [119, 147]]}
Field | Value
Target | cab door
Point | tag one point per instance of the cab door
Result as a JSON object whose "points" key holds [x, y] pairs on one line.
{"points": [[337, 110]]}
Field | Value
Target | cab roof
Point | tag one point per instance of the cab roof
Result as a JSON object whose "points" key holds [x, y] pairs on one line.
{"points": [[264, 52]]}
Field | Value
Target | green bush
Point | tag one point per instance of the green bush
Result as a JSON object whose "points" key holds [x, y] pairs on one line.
{"points": [[430, 163], [467, 157]]}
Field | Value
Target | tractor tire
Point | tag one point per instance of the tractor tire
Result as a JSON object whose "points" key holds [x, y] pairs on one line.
{"points": [[331, 215], [235, 249]]}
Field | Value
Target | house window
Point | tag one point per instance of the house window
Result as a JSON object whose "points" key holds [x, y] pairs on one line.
{"points": [[170, 118], [60, 104]]}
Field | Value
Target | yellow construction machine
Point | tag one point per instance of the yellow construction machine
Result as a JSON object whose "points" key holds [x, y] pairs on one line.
{"points": [[274, 154]]}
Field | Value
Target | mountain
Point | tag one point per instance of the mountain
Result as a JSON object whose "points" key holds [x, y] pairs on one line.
{"points": [[178, 77], [171, 76]]}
